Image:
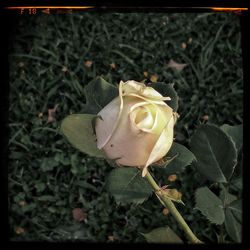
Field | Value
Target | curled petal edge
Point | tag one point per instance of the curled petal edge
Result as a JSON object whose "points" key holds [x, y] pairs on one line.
{"points": [[138, 89], [158, 144], [117, 120]]}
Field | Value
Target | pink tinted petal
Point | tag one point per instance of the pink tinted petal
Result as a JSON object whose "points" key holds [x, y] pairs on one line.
{"points": [[110, 115], [128, 144], [106, 124], [162, 145]]}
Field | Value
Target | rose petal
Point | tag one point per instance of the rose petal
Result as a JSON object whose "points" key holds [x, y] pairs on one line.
{"points": [[163, 116], [122, 133], [143, 116], [146, 121], [104, 128], [162, 145], [158, 101], [151, 124], [127, 144], [132, 87], [79, 214], [140, 90], [51, 114], [177, 66], [110, 114]]}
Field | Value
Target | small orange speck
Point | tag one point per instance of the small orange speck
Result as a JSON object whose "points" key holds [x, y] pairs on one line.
{"points": [[22, 203], [172, 177], [113, 65], [21, 64], [88, 63], [205, 117], [145, 73], [184, 45], [111, 238], [19, 230], [64, 69], [79, 215], [154, 78], [165, 211]]}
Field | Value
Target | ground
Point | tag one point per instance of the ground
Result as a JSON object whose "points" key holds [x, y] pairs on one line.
{"points": [[52, 58]]}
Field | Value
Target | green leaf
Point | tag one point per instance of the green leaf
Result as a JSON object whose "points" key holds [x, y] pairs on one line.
{"points": [[236, 209], [182, 158], [215, 153], [48, 198], [167, 89], [236, 183], [40, 186], [233, 226], [89, 109], [77, 128], [74, 231], [127, 185], [48, 164], [209, 205], [29, 207], [86, 185], [112, 162], [98, 94], [225, 196], [162, 235], [236, 133]]}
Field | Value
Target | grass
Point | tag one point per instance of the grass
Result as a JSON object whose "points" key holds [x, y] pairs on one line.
{"points": [[47, 56]]}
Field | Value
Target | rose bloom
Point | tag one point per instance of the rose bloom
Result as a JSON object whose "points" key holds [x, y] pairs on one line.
{"points": [[136, 128]]}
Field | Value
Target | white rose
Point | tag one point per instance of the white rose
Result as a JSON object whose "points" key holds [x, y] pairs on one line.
{"points": [[136, 128]]}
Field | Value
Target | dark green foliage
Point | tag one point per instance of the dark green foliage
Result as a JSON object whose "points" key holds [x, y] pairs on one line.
{"points": [[98, 94], [210, 205], [215, 153], [167, 90], [236, 132], [226, 210], [47, 67], [233, 222], [78, 130], [180, 157], [128, 186], [162, 235]]}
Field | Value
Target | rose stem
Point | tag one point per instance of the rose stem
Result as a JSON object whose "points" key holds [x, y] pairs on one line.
{"points": [[171, 207]]}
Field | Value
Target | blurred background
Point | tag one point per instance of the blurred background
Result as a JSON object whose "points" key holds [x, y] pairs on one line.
{"points": [[58, 193]]}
